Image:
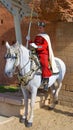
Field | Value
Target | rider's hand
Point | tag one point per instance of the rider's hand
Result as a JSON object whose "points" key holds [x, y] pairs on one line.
{"points": [[34, 45]]}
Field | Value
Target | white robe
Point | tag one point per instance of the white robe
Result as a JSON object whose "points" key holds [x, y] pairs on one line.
{"points": [[51, 55]]}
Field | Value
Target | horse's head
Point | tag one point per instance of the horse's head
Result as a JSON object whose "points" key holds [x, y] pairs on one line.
{"points": [[12, 58]]}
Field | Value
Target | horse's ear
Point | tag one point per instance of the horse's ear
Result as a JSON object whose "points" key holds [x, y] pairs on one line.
{"points": [[17, 43], [7, 45]]}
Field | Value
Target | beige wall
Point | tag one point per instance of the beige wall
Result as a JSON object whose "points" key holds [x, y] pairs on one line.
{"points": [[61, 35], [64, 40]]}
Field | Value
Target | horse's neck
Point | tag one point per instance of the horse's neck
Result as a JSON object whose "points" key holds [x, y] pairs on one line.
{"points": [[24, 59]]}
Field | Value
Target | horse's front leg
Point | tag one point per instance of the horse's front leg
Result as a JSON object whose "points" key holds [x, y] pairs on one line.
{"points": [[32, 103], [23, 119]]}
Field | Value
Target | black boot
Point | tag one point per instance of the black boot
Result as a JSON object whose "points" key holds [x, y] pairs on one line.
{"points": [[45, 83]]}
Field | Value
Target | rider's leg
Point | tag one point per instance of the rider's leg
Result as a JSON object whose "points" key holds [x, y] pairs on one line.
{"points": [[46, 72]]}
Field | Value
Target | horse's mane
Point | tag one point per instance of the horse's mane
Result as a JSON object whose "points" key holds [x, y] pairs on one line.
{"points": [[24, 48]]}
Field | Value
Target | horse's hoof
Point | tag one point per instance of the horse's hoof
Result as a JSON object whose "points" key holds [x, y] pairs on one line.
{"points": [[29, 124], [56, 102], [22, 120], [50, 108]]}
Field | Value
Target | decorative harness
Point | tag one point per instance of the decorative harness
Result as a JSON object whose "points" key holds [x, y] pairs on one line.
{"points": [[24, 79]]}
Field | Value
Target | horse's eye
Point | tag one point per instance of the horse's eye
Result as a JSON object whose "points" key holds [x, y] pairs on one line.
{"points": [[14, 56]]}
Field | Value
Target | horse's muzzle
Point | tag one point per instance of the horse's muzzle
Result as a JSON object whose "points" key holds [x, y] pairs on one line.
{"points": [[9, 74]]}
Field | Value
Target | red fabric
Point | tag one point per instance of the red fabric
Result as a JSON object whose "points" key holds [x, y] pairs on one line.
{"points": [[43, 54]]}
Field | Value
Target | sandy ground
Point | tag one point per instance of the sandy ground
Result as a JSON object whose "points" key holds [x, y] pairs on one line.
{"points": [[59, 119]]}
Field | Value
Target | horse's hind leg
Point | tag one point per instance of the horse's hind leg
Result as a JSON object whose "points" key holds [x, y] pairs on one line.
{"points": [[55, 89]]}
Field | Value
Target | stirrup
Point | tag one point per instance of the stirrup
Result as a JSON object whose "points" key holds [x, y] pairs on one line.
{"points": [[46, 87]]}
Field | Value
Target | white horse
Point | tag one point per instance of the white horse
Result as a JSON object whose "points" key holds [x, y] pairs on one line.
{"points": [[19, 56]]}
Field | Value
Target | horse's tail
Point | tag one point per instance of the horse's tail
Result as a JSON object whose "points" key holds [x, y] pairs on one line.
{"points": [[62, 68]]}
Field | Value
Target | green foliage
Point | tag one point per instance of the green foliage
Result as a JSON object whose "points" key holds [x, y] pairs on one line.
{"points": [[8, 89]]}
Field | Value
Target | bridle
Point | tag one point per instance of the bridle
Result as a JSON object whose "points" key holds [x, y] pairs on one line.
{"points": [[9, 55]]}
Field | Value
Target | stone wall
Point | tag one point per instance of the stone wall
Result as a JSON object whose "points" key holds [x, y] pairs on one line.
{"points": [[64, 40], [62, 43]]}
